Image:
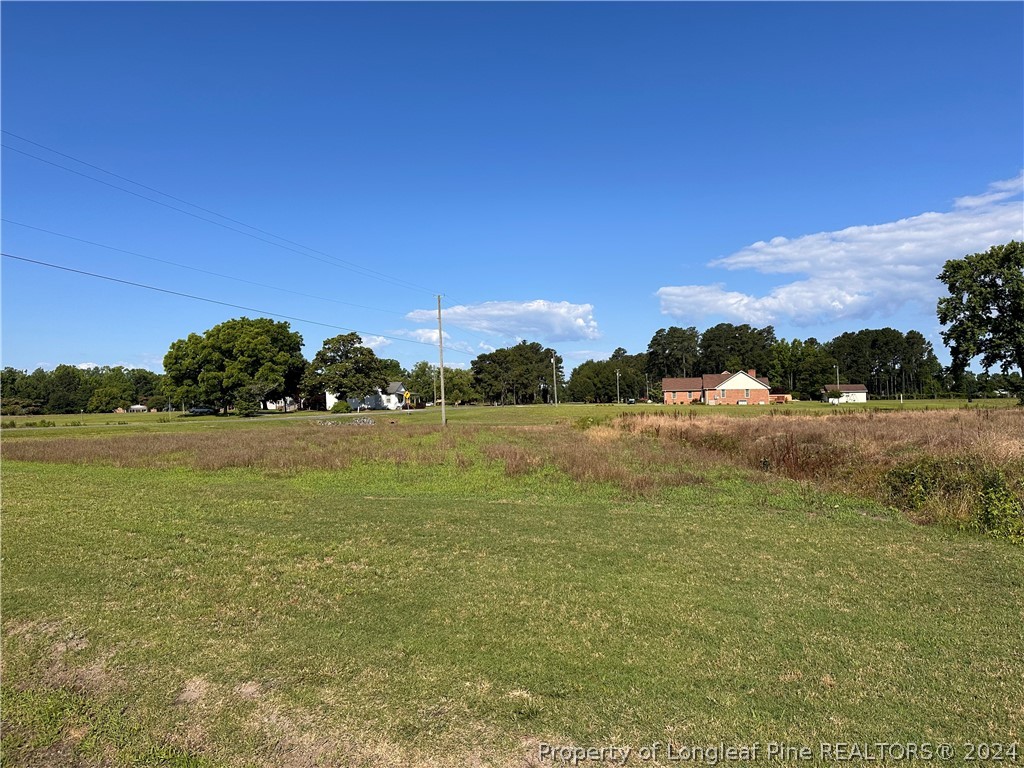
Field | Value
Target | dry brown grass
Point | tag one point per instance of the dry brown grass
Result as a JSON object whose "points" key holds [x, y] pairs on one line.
{"points": [[299, 448], [867, 452], [637, 453], [598, 455]]}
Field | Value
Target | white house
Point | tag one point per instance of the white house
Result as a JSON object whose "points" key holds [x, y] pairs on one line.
{"points": [[288, 404], [844, 393], [392, 398]]}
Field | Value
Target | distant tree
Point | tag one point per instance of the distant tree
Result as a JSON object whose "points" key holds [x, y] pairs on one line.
{"points": [[145, 383], [158, 402], [345, 368], [519, 374], [18, 393], [422, 380], [247, 401], [673, 351], [251, 355], [984, 311], [588, 383], [25, 393], [887, 361], [69, 390], [594, 381], [735, 348], [781, 370], [394, 370], [114, 390], [814, 369], [458, 386]]}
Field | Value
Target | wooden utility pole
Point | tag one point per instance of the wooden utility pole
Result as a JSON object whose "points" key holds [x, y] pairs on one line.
{"points": [[440, 352], [554, 377]]}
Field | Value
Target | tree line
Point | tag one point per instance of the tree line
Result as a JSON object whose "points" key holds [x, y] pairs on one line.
{"points": [[886, 361], [244, 363]]}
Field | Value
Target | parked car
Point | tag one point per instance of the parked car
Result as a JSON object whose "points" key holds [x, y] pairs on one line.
{"points": [[202, 410]]}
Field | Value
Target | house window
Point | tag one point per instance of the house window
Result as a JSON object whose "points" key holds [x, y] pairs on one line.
{"points": [[723, 394], [689, 395], [673, 397], [746, 393]]}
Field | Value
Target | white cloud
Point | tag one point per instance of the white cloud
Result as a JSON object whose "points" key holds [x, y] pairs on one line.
{"points": [[86, 366], [585, 354], [997, 190], [429, 336], [422, 335], [376, 343], [859, 271], [538, 319]]}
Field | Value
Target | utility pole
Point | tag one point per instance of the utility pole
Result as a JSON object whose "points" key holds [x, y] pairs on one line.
{"points": [[440, 352], [647, 381], [836, 366], [618, 400], [554, 377]]}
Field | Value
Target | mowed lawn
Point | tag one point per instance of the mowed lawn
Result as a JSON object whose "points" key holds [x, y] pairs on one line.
{"points": [[389, 596]]}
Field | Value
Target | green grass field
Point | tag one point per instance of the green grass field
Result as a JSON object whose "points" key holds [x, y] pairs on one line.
{"points": [[486, 415], [268, 592]]}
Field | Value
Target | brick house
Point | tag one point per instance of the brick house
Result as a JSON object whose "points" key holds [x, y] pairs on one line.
{"points": [[717, 389]]}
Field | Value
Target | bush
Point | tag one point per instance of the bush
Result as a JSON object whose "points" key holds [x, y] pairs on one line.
{"points": [[962, 490], [247, 405], [1001, 512], [341, 406]]}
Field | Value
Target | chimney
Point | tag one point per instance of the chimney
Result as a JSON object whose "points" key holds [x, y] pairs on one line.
{"points": [[753, 373]]}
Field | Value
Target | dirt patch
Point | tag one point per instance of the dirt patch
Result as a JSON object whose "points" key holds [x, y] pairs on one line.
{"points": [[249, 690], [193, 692]]}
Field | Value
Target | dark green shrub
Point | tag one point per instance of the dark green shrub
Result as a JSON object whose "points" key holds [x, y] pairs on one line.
{"points": [[41, 423], [341, 406], [962, 490], [1000, 512], [247, 405]]}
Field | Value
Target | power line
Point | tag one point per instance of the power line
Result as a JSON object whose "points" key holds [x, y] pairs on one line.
{"points": [[333, 260], [213, 301], [200, 270], [231, 277]]}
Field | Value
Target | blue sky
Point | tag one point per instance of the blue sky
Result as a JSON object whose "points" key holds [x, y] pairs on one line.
{"points": [[579, 174]]}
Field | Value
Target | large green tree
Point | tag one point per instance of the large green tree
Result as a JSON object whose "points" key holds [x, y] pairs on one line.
{"points": [[346, 369], [887, 361], [114, 390], [250, 358], [728, 347], [70, 390], [458, 386], [517, 375], [594, 381], [673, 351], [984, 312], [422, 381]]}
